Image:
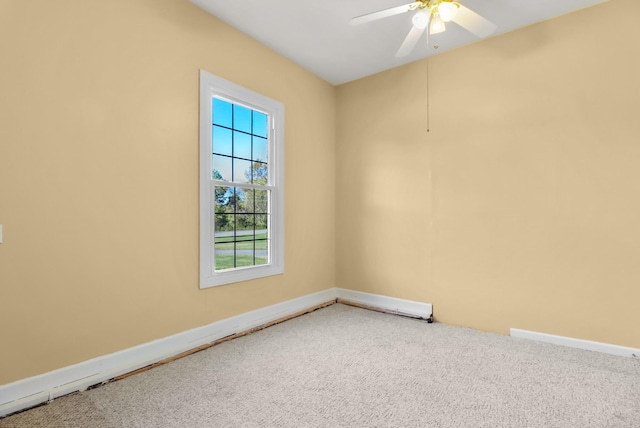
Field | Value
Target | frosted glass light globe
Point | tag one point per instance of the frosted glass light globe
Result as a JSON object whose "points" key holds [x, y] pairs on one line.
{"points": [[437, 24], [447, 10], [420, 19]]}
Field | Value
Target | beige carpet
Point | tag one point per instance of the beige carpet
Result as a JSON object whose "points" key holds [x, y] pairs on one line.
{"points": [[348, 367]]}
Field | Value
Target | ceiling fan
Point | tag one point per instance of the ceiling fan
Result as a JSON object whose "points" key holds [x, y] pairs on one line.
{"points": [[434, 14]]}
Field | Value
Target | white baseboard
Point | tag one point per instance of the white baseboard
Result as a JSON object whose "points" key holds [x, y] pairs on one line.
{"points": [[401, 306], [587, 345], [39, 389], [35, 390]]}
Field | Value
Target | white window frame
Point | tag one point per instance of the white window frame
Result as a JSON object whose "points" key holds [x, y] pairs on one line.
{"points": [[214, 86]]}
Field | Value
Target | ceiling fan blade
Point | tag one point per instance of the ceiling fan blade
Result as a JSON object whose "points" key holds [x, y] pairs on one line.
{"points": [[471, 21], [410, 41], [382, 14]]}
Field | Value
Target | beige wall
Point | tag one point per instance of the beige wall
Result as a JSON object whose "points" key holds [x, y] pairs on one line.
{"points": [[99, 176], [520, 207]]}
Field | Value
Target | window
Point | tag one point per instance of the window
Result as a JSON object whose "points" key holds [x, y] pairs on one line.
{"points": [[241, 183]]}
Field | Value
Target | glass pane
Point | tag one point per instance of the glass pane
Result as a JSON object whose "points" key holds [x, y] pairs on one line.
{"points": [[245, 244], [259, 124], [261, 200], [262, 225], [224, 256], [259, 173], [221, 168], [244, 226], [245, 258], [260, 149], [216, 175], [222, 194], [241, 118], [224, 227], [262, 252], [245, 203], [241, 171], [236, 199], [221, 113], [222, 142], [241, 145], [244, 240]]}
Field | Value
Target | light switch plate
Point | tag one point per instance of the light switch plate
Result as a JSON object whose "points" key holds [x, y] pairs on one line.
{"points": [[0, 234]]}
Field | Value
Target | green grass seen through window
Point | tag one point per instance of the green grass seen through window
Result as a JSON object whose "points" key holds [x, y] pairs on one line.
{"points": [[225, 261]]}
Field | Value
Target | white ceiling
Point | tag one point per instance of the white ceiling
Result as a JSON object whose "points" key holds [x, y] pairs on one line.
{"points": [[317, 35]]}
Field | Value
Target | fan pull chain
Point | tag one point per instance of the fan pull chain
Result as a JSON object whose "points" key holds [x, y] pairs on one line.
{"points": [[428, 112]]}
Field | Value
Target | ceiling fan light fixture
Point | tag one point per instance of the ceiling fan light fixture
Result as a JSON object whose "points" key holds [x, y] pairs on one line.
{"points": [[447, 10], [420, 20], [437, 24]]}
